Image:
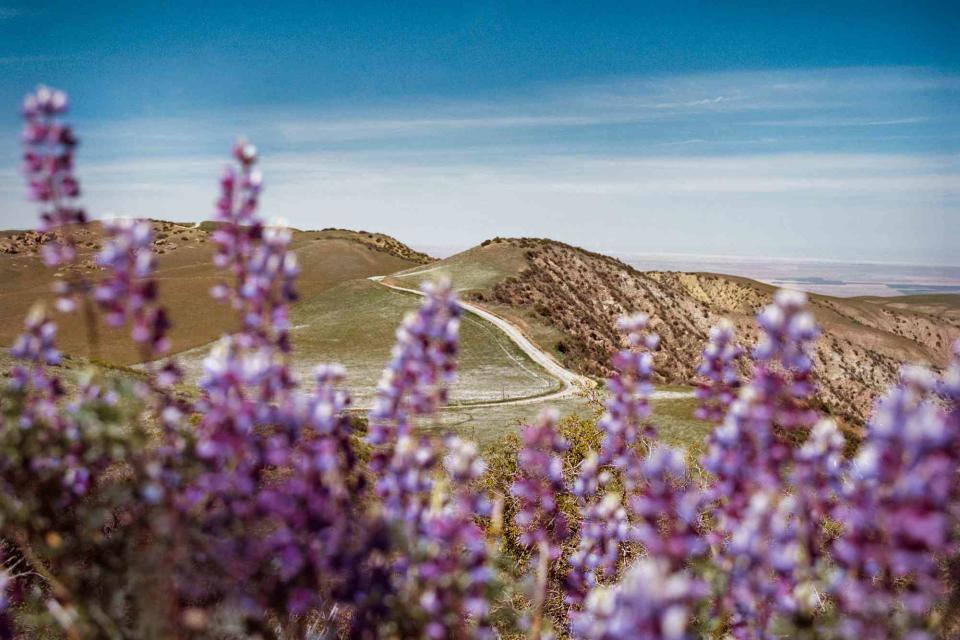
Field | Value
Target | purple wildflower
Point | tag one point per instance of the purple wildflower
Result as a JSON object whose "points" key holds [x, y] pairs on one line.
{"points": [[464, 466], [765, 557], [630, 387], [48, 166], [669, 509], [798, 548], [591, 478], [650, 602], [422, 367], [308, 508], [253, 418], [775, 556], [243, 438], [454, 577], [257, 257], [414, 383], [719, 369], [406, 482], [443, 568], [129, 293], [784, 373], [604, 528], [818, 469], [745, 453], [605, 524], [540, 483], [449, 568], [899, 514], [37, 345], [41, 390]]}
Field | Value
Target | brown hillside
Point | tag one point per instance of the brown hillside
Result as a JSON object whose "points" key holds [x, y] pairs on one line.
{"points": [[567, 299], [185, 273]]}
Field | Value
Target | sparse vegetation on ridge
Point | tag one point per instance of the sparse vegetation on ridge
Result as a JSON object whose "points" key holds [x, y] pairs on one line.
{"points": [[567, 299]]}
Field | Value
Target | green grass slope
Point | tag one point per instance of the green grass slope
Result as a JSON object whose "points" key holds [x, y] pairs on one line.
{"points": [[355, 323]]}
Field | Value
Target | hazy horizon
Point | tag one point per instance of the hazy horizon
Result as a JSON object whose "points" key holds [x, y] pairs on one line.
{"points": [[442, 251], [840, 278]]}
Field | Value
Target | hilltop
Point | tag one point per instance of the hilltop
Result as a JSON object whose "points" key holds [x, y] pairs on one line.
{"points": [[567, 299], [185, 273]]}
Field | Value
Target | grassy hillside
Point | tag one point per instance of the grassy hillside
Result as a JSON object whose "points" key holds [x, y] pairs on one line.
{"points": [[355, 324], [567, 300], [341, 317], [185, 274]]}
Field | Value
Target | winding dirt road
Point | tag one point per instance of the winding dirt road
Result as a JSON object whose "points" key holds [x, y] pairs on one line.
{"points": [[570, 381]]}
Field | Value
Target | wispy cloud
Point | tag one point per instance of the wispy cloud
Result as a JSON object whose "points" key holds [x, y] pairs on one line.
{"points": [[842, 122], [669, 107], [706, 113], [347, 129], [849, 159]]}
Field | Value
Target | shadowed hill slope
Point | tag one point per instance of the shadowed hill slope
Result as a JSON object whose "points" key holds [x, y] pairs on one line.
{"points": [[185, 273], [567, 300]]}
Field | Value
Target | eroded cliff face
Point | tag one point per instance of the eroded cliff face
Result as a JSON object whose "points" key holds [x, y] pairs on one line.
{"points": [[580, 295]]}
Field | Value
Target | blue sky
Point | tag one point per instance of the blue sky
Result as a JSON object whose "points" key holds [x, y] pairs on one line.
{"points": [[798, 129]]}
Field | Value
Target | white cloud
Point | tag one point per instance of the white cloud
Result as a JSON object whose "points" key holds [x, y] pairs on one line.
{"points": [[842, 122], [720, 105], [822, 205], [674, 164]]}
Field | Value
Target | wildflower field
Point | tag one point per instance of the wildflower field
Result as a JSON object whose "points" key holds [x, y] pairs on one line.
{"points": [[263, 506]]}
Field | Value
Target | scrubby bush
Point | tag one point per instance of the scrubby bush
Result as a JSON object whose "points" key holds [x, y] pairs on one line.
{"points": [[260, 508]]}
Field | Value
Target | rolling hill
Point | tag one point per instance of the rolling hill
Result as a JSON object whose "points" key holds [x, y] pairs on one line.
{"points": [[342, 316], [185, 273], [562, 298], [567, 299]]}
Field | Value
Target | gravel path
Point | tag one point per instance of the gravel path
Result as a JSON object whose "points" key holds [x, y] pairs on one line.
{"points": [[570, 381]]}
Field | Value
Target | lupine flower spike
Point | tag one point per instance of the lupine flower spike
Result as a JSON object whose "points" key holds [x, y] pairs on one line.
{"points": [[718, 368], [669, 509], [422, 367], [129, 293], [745, 454], [41, 390], [605, 522], [540, 483], [650, 603], [899, 513], [263, 270], [630, 387], [48, 165], [749, 461]]}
